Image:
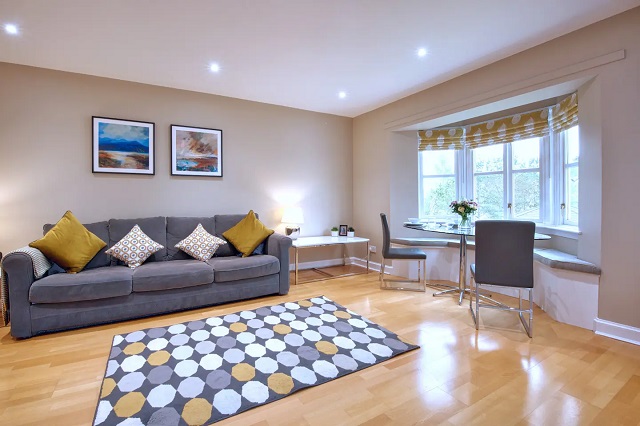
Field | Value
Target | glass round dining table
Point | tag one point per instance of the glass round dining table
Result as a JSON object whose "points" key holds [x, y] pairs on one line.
{"points": [[463, 233]]}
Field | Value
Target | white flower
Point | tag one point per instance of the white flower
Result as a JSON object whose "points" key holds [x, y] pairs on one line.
{"points": [[461, 209]]}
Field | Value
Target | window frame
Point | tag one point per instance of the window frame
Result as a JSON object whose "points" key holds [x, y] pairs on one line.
{"points": [[552, 171]]}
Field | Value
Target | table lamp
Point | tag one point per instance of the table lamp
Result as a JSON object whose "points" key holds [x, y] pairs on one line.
{"points": [[292, 217]]}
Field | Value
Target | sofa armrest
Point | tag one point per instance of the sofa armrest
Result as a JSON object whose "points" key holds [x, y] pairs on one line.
{"points": [[18, 270], [278, 245]]}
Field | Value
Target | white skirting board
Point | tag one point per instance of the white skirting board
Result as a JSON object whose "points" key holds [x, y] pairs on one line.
{"points": [[373, 266], [617, 331]]}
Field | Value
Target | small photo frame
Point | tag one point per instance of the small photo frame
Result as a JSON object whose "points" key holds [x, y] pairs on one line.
{"points": [[196, 151], [123, 146], [343, 230]]}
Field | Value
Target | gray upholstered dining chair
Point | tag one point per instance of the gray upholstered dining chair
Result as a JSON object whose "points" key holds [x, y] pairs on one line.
{"points": [[504, 258], [401, 254]]}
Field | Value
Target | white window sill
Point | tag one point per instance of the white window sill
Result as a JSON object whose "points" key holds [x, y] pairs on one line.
{"points": [[564, 231]]}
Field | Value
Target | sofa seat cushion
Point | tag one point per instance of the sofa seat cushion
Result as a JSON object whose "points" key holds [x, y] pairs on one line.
{"points": [[171, 274], [92, 284], [228, 269]]}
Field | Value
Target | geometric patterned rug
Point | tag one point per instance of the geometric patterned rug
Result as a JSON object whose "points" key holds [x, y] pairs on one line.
{"points": [[203, 371]]}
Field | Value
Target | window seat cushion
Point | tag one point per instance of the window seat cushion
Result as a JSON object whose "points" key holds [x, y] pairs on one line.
{"points": [[560, 260]]}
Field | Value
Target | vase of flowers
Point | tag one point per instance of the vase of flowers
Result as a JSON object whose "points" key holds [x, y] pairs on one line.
{"points": [[464, 208]]}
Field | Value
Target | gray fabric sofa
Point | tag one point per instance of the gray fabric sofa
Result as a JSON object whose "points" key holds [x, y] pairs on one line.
{"points": [[170, 280]]}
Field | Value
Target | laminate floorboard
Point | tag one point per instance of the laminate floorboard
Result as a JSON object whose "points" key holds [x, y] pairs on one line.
{"points": [[565, 375]]}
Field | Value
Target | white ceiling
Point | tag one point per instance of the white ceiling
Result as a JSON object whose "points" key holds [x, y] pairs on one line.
{"points": [[296, 53]]}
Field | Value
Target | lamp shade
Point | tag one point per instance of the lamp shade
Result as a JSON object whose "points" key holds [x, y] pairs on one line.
{"points": [[292, 215]]}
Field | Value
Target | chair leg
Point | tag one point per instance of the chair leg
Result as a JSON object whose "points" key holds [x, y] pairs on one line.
{"points": [[474, 314], [477, 306], [382, 270], [528, 326]]}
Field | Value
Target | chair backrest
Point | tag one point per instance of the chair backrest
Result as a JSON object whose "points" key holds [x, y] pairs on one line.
{"points": [[386, 236], [504, 252]]}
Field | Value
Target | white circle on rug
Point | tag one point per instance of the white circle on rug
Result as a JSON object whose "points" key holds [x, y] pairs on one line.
{"points": [[182, 352], [191, 387], [380, 350], [314, 321], [311, 335], [266, 365], [186, 368], [359, 337], [220, 331], [327, 331], [246, 337], [287, 316], [275, 345], [179, 339], [304, 375], [158, 344], [214, 321], [318, 301], [325, 369], [375, 333], [233, 356], [117, 339], [227, 401], [298, 325], [132, 363], [255, 350], [248, 314], [200, 335], [136, 336], [344, 342], [130, 382], [293, 339], [272, 319], [357, 323], [265, 333], [328, 318], [345, 362], [112, 367], [291, 305], [255, 323], [211, 362], [255, 392], [104, 408], [231, 318], [161, 395], [288, 359], [177, 328], [363, 356], [205, 347]]}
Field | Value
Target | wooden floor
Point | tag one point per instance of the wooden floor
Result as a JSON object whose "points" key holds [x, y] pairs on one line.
{"points": [[498, 376]]}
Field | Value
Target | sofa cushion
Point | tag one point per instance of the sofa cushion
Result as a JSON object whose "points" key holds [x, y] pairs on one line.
{"points": [[69, 244], [174, 274], [239, 268], [224, 222], [100, 230], [247, 234], [154, 227], [134, 248], [200, 245], [179, 228], [92, 284]]}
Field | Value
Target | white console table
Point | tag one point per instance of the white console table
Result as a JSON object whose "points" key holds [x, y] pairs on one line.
{"points": [[309, 242]]}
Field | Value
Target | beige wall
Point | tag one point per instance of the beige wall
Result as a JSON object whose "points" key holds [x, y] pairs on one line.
{"points": [[272, 156], [610, 131]]}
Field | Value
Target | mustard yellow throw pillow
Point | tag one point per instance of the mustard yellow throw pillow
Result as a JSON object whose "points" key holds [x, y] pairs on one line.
{"points": [[247, 234], [69, 244]]}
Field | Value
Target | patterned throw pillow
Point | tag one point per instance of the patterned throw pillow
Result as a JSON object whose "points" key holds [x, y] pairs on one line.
{"points": [[134, 248], [200, 244]]}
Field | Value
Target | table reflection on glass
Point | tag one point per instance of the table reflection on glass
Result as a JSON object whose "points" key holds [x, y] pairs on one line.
{"points": [[444, 228]]}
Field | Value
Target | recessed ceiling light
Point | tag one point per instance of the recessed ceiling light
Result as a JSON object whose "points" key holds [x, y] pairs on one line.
{"points": [[214, 67], [342, 95], [11, 29], [422, 52]]}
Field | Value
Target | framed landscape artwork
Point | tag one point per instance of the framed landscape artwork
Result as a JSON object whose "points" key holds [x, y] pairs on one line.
{"points": [[196, 151], [123, 146]]}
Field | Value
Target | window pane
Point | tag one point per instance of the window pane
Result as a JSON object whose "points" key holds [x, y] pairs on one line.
{"points": [[573, 145], [488, 159], [489, 194], [526, 154], [438, 162], [571, 194], [526, 195], [437, 194]]}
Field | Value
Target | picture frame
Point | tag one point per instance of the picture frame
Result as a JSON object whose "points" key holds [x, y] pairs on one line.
{"points": [[196, 151], [343, 230], [123, 146]]}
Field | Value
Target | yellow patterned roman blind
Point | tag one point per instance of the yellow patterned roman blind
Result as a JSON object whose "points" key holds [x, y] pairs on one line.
{"points": [[441, 139], [564, 114], [508, 129]]}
